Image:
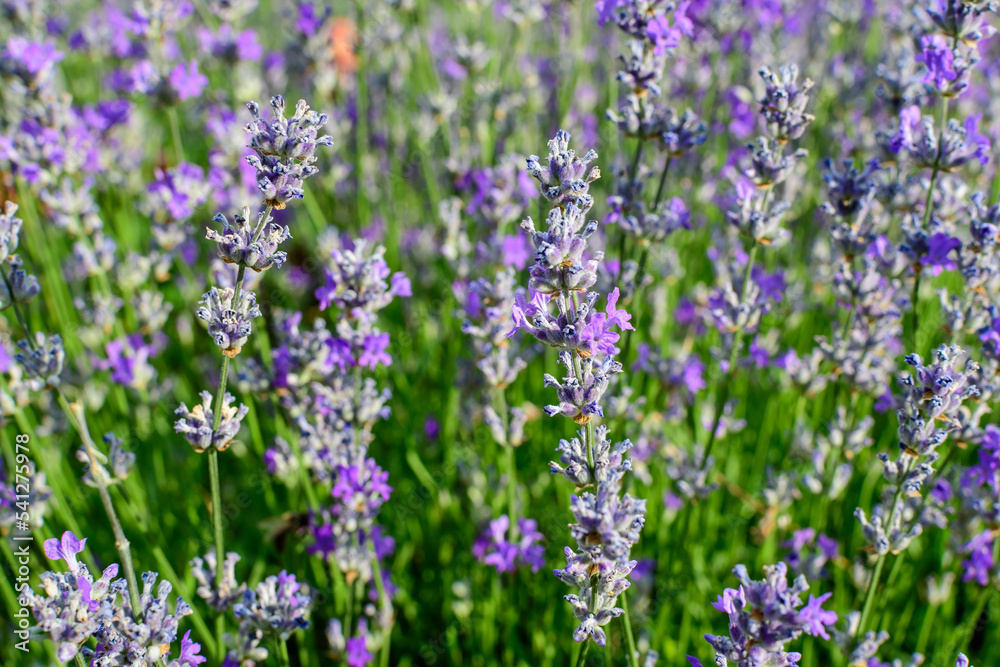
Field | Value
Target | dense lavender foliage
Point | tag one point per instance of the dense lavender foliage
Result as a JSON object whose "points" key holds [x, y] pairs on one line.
{"points": [[499, 332]]}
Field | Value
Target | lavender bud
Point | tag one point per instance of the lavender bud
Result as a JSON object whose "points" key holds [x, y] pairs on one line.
{"points": [[784, 103], [20, 287], [229, 326], [238, 244], [43, 361], [228, 591], [196, 424], [10, 228], [278, 606]]}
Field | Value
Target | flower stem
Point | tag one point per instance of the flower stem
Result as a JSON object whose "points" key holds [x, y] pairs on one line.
{"points": [[175, 131], [79, 420], [123, 546], [500, 405], [870, 594], [880, 562], [386, 606], [582, 659], [663, 181], [632, 653], [283, 652]]}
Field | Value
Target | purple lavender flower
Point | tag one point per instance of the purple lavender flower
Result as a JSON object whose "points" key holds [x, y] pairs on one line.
{"points": [[76, 607], [284, 149], [241, 243], [128, 361], [766, 615], [360, 281], [958, 144], [279, 605], [939, 246], [493, 547], [357, 652], [979, 565], [196, 424], [230, 46], [176, 193], [938, 58], [187, 81], [229, 324], [66, 549]]}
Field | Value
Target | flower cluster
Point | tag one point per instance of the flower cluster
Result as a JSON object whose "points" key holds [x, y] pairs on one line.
{"points": [[284, 149], [607, 522], [73, 607], [764, 616], [197, 425]]}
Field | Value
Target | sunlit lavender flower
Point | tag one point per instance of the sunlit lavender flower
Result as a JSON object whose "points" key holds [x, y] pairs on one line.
{"points": [[932, 396], [279, 605], [41, 358], [196, 424], [766, 615], [239, 245], [223, 596], [69, 608], [784, 104], [228, 324], [284, 149], [493, 546], [158, 628]]}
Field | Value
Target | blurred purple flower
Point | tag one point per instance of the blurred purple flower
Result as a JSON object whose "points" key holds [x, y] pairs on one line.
{"points": [[187, 81]]}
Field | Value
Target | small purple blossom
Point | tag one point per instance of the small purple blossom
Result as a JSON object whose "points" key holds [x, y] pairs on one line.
{"points": [[187, 81], [494, 548]]}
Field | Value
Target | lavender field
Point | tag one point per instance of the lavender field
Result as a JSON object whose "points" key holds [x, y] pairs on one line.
{"points": [[518, 333]]}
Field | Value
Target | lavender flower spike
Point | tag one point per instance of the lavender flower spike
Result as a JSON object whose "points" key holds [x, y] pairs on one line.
{"points": [[228, 323], [766, 615], [239, 245], [607, 523], [284, 149], [196, 424]]}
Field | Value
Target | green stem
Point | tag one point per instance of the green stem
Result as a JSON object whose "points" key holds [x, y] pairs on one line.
{"points": [[632, 653], [283, 652], [175, 131], [122, 545], [880, 562], [870, 594], [582, 659], [500, 401], [80, 661], [663, 181], [386, 607], [724, 392]]}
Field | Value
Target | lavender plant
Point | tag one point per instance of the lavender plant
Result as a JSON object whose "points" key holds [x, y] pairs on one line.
{"points": [[809, 373], [607, 523]]}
